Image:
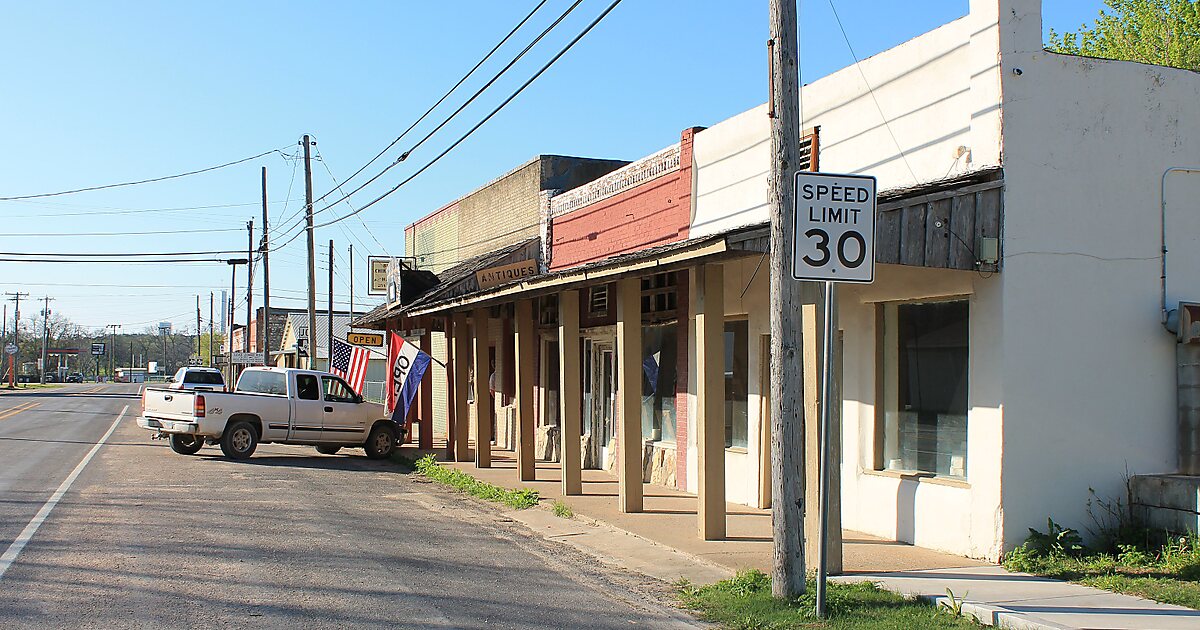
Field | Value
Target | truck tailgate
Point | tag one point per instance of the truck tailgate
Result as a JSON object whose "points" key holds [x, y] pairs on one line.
{"points": [[170, 404]]}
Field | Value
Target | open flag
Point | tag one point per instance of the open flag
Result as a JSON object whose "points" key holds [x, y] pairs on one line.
{"points": [[406, 367]]}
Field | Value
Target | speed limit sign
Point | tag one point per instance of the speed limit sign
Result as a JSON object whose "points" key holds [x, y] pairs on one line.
{"points": [[834, 228]]}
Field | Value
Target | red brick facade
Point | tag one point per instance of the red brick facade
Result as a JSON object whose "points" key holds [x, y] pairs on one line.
{"points": [[655, 212]]}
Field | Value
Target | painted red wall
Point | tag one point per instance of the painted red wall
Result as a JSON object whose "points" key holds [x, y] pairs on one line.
{"points": [[653, 213]]}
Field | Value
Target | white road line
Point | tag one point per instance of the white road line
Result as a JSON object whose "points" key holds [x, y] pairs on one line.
{"points": [[14, 550]]}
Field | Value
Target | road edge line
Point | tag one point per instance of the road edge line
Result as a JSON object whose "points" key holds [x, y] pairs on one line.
{"points": [[18, 545]]}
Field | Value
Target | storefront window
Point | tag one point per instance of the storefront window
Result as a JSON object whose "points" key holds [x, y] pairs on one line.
{"points": [[658, 382], [925, 387], [737, 379]]}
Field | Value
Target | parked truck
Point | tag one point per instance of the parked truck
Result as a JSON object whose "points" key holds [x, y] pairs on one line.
{"points": [[270, 405]]}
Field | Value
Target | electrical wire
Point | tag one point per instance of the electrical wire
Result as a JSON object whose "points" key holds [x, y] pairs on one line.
{"points": [[338, 186], [456, 112], [143, 181], [95, 254], [115, 260], [108, 210], [871, 91], [72, 234], [485, 119], [443, 98]]}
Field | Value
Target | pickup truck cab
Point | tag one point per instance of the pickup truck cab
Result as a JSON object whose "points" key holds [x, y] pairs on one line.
{"points": [[270, 405]]}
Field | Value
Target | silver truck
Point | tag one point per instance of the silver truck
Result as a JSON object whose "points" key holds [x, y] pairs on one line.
{"points": [[279, 405]]}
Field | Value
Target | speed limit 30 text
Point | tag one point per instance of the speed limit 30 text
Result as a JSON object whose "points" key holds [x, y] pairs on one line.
{"points": [[822, 194]]}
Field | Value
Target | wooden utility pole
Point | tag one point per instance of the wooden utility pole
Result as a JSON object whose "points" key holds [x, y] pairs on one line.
{"points": [[15, 359], [249, 283], [266, 250], [351, 259], [45, 337], [211, 329], [312, 252], [198, 327], [787, 376], [329, 339]]}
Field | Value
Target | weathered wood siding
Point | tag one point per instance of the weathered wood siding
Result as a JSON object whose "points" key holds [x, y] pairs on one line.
{"points": [[939, 229]]}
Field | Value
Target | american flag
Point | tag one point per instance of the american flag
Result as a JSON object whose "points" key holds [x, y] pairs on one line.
{"points": [[350, 362]]}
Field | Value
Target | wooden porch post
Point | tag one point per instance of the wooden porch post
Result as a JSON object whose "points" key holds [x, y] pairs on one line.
{"points": [[629, 371], [570, 423], [483, 397], [708, 303], [425, 439], [462, 412], [524, 346]]}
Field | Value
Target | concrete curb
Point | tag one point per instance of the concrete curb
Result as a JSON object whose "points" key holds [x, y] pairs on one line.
{"points": [[992, 615], [986, 614]]}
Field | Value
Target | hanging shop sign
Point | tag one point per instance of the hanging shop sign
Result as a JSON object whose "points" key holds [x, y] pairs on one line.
{"points": [[496, 276], [378, 268]]}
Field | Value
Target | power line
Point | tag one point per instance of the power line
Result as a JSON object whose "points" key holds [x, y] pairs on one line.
{"points": [[143, 181], [443, 98], [472, 130], [858, 65], [109, 210], [480, 91], [70, 234], [338, 186], [94, 254], [115, 260]]}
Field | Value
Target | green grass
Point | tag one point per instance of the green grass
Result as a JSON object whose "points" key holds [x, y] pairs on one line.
{"points": [[562, 510], [1170, 575], [744, 602], [21, 386], [455, 478]]}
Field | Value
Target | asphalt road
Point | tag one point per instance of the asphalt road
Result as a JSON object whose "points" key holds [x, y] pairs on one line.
{"points": [[289, 538]]}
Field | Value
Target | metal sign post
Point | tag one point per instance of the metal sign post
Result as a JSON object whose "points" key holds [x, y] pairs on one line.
{"points": [[834, 221]]}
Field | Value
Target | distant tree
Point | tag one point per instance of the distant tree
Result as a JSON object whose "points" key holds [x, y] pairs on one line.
{"points": [[1162, 32]]}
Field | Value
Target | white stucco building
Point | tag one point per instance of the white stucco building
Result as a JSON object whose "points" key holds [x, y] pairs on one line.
{"points": [[1010, 354]]}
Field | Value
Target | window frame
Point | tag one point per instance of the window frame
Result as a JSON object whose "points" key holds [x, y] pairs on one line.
{"points": [[882, 374], [733, 319]]}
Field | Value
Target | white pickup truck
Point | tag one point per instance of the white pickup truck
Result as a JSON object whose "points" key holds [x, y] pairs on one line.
{"points": [[281, 405]]}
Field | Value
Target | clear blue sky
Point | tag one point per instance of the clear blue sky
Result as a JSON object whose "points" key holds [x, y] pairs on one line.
{"points": [[96, 93]]}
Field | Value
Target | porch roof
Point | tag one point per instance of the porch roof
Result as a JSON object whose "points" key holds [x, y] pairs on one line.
{"points": [[652, 260]]}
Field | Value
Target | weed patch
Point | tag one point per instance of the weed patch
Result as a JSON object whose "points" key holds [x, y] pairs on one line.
{"points": [[1168, 572], [519, 499], [744, 602], [562, 510]]}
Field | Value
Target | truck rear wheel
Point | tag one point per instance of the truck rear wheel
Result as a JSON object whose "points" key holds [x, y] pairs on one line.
{"points": [[381, 442], [239, 440], [328, 450], [186, 444]]}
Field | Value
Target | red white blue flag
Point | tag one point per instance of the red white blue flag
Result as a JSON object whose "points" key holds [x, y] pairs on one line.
{"points": [[406, 367], [350, 362]]}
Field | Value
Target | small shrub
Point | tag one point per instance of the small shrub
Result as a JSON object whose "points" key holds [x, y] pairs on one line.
{"points": [[1130, 555], [747, 583], [1057, 541], [562, 510]]}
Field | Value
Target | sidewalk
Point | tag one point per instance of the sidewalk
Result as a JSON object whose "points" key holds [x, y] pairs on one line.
{"points": [[662, 542]]}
